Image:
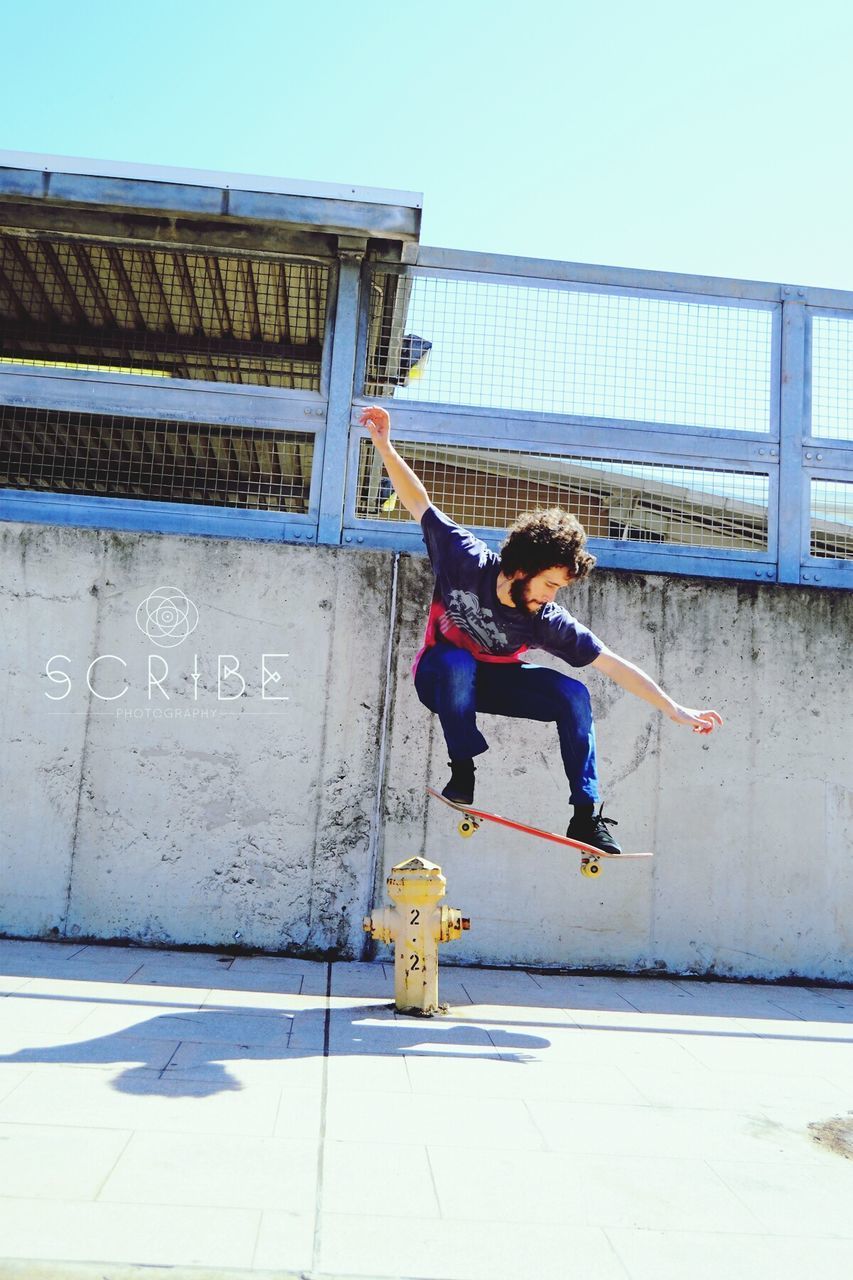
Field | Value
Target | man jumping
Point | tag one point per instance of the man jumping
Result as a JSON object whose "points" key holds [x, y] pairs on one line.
{"points": [[486, 611]]}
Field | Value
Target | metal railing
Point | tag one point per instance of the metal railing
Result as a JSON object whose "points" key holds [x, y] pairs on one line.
{"points": [[695, 426]]}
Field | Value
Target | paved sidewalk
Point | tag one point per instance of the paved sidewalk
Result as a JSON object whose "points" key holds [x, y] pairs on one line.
{"points": [[195, 1110]]}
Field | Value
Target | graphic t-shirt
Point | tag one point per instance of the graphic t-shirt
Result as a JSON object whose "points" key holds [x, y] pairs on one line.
{"points": [[466, 611]]}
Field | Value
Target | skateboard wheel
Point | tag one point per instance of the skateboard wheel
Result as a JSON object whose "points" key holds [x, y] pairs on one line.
{"points": [[466, 827], [590, 869]]}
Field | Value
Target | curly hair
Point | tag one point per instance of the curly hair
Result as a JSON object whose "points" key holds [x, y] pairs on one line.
{"points": [[546, 539]]}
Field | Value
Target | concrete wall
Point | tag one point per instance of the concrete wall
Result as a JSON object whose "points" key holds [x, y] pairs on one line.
{"points": [[252, 817], [278, 821]]}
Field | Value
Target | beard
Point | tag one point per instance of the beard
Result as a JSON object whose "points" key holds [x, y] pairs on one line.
{"points": [[518, 591]]}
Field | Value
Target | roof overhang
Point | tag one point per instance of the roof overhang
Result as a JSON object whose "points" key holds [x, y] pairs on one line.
{"points": [[162, 203]]}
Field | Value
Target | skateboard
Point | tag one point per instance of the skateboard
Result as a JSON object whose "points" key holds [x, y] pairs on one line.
{"points": [[472, 818]]}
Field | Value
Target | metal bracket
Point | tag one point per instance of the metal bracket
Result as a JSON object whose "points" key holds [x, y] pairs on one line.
{"points": [[352, 248]]}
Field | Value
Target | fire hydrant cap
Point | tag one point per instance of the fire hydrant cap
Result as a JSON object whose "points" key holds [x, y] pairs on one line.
{"points": [[417, 864]]}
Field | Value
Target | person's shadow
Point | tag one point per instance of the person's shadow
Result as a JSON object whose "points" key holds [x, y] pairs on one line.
{"points": [[204, 1040]]}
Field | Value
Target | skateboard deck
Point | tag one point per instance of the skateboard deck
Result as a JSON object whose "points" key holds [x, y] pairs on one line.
{"points": [[471, 819]]}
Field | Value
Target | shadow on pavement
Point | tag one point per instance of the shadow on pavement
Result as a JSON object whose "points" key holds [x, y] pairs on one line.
{"points": [[215, 1036]]}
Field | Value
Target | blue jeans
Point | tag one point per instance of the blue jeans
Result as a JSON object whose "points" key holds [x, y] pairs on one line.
{"points": [[453, 684]]}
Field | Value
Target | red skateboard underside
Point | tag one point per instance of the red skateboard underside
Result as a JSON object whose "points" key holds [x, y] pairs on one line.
{"points": [[485, 816]]}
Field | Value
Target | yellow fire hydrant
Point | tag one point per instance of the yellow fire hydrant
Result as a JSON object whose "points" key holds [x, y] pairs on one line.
{"points": [[416, 924]]}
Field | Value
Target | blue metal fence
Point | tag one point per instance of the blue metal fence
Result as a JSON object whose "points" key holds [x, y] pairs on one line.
{"points": [[697, 425]]}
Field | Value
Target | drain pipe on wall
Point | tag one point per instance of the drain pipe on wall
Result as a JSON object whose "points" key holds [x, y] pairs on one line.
{"points": [[376, 880]]}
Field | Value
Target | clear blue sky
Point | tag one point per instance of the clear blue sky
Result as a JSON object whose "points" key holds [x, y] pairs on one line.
{"points": [[712, 138]]}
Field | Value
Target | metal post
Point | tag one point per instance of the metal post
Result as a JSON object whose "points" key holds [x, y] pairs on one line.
{"points": [[341, 373], [791, 435]]}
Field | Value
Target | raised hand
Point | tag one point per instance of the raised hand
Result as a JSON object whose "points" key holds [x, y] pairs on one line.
{"points": [[378, 423]]}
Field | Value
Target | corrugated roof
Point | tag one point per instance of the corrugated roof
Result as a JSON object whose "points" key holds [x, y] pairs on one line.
{"points": [[219, 317]]}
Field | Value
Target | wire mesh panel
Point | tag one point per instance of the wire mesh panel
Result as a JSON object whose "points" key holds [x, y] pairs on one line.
{"points": [[164, 312], [451, 340], [630, 501], [105, 456], [832, 519], [832, 377]]}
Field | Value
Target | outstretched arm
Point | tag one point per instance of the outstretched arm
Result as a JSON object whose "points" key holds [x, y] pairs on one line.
{"points": [[636, 681], [407, 486]]}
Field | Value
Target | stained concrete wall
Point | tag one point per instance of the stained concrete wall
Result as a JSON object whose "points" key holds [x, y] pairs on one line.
{"points": [[247, 816], [752, 827], [278, 821]]}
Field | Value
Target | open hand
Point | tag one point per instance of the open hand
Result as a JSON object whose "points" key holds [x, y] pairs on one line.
{"points": [[699, 721]]}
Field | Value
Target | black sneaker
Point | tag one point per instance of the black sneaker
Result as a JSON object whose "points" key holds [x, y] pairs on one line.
{"points": [[591, 828], [460, 788]]}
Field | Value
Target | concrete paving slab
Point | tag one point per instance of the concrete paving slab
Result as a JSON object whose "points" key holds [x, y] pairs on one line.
{"points": [[101, 1053], [280, 965], [233, 1025], [481, 1077], [784, 1202], [57, 1162], [228, 1114], [404, 1168], [546, 1186], [10, 983], [729, 1090], [782, 1054], [578, 991], [366, 1073], [139, 1099], [654, 1048], [103, 953], [25, 1016], [81, 1230], [362, 979], [469, 1123], [265, 995], [188, 995], [191, 980], [832, 1022], [484, 1011], [377, 1031], [11, 1077], [685, 1022], [249, 1064], [662, 1255], [281, 1235], [229, 1170], [98, 987], [603, 1128], [15, 1269], [179, 961], [465, 1250], [121, 968]]}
